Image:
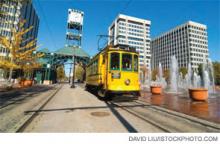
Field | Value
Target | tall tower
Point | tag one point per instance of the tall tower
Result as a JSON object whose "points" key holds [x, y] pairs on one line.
{"points": [[74, 28], [74, 35]]}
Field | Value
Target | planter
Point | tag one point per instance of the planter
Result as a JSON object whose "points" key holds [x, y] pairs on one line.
{"points": [[47, 82], [21, 83], [198, 94], [27, 83], [156, 90]]}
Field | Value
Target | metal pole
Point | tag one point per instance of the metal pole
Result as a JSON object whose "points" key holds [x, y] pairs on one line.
{"points": [[52, 66], [73, 84], [70, 74], [45, 76], [51, 62], [49, 70]]}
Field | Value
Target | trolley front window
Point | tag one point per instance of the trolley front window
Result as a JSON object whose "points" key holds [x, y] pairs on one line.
{"points": [[126, 62], [115, 61], [135, 63]]}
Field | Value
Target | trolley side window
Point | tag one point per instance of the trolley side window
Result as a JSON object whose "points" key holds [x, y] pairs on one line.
{"points": [[115, 61], [135, 63], [126, 62]]}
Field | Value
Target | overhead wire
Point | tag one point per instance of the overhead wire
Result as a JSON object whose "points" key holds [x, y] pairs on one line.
{"points": [[120, 12], [126, 6], [47, 25]]}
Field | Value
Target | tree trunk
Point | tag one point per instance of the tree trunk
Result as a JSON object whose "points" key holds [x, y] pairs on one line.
{"points": [[11, 71], [10, 74]]}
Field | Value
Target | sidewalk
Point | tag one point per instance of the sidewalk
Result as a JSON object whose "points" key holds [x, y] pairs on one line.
{"points": [[76, 110]]}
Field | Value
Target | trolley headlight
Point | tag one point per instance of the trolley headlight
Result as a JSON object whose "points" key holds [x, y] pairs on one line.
{"points": [[127, 81]]}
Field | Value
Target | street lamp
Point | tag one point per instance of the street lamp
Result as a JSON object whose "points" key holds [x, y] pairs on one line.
{"points": [[50, 65], [72, 84]]}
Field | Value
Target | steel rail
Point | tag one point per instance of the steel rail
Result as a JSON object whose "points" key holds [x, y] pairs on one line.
{"points": [[161, 127], [27, 122]]}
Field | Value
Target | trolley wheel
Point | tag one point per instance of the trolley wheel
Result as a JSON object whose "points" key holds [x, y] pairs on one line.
{"points": [[103, 94]]}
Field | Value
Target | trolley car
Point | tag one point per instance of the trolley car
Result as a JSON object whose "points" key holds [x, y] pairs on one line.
{"points": [[114, 70]]}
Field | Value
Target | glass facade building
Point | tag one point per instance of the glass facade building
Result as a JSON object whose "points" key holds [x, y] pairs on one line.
{"points": [[15, 11]]}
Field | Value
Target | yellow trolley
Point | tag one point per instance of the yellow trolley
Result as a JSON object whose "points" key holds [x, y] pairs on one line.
{"points": [[114, 70]]}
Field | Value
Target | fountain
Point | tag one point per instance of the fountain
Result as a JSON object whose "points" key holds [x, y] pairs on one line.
{"points": [[196, 80], [156, 86], [208, 76], [180, 81], [160, 72], [202, 85], [173, 74], [146, 79], [206, 79], [160, 79], [149, 75], [212, 79], [205, 86], [189, 76], [196, 92], [164, 83]]}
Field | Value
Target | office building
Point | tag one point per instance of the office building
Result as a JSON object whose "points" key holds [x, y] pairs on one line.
{"points": [[132, 31], [15, 11], [188, 42]]}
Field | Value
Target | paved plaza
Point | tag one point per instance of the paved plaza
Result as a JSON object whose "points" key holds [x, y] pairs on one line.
{"points": [[73, 110], [59, 108]]}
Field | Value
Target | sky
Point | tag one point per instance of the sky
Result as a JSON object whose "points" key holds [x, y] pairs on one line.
{"points": [[99, 14]]}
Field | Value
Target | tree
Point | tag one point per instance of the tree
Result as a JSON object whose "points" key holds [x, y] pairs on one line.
{"points": [[216, 67], [166, 74], [200, 70], [183, 70], [60, 73], [79, 72], [21, 54], [154, 74]]}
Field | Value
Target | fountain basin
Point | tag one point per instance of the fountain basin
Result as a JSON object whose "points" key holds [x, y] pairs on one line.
{"points": [[156, 89], [157, 99], [198, 94]]}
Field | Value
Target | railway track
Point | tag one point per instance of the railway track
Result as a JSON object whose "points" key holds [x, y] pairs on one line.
{"points": [[164, 119], [30, 117], [161, 118]]}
